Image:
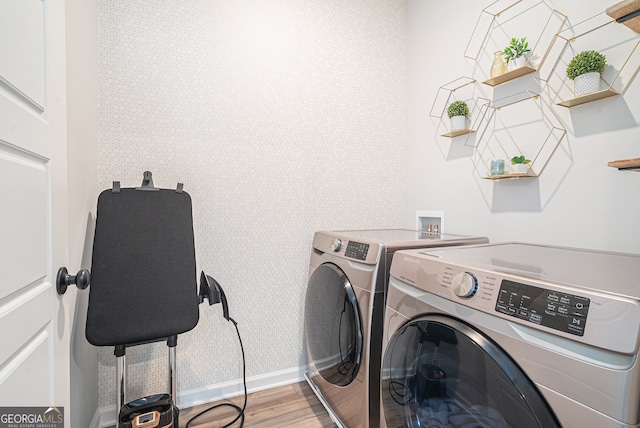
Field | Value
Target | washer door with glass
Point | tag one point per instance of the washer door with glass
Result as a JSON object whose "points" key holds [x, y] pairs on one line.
{"points": [[440, 372], [333, 325]]}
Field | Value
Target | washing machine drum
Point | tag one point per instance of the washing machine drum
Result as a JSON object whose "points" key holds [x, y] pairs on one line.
{"points": [[438, 371], [333, 325]]}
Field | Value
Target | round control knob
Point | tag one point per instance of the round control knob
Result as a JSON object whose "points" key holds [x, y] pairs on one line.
{"points": [[336, 245], [464, 285]]}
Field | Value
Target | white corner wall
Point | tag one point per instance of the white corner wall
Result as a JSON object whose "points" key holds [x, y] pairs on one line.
{"points": [[281, 118], [577, 201], [82, 147]]}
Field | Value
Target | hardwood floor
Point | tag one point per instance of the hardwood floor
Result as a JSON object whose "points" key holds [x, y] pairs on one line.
{"points": [[293, 406]]}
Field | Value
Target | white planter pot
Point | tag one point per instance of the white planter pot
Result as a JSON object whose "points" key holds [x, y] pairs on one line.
{"points": [[586, 83], [517, 62], [458, 123], [520, 168]]}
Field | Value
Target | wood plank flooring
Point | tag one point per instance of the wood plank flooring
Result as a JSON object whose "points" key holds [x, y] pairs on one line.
{"points": [[294, 406]]}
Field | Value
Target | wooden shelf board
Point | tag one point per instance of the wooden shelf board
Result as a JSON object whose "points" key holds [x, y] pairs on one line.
{"points": [[626, 164], [508, 176], [509, 75], [458, 132], [626, 13], [587, 98]]}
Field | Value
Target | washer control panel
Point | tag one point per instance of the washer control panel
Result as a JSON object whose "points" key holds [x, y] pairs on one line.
{"points": [[553, 309], [357, 250], [599, 318], [557, 310]]}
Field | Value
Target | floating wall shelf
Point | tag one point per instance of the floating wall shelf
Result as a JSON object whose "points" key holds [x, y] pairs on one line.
{"points": [[626, 12], [623, 60], [587, 98], [503, 20], [458, 133], [461, 89], [508, 176], [520, 124], [509, 75], [626, 164]]}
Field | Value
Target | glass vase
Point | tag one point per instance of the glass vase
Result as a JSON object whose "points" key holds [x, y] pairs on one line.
{"points": [[498, 67]]}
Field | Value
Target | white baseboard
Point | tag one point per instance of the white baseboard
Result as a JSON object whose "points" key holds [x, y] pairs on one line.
{"points": [[95, 422], [107, 415]]}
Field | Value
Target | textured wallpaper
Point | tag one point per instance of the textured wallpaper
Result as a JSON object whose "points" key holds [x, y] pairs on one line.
{"points": [[281, 117]]}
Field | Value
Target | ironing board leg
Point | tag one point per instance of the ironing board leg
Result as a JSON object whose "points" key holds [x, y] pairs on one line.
{"points": [[172, 372], [121, 386], [172, 341]]}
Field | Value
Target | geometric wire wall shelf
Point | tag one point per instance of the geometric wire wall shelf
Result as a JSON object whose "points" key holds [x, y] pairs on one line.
{"points": [[537, 20], [601, 33], [521, 124], [461, 89]]}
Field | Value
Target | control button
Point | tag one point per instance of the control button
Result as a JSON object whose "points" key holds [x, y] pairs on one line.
{"points": [[579, 314], [336, 245], [576, 324], [579, 310], [464, 285]]}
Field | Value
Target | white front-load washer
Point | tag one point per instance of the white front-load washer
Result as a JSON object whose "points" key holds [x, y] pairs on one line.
{"points": [[512, 335], [344, 311]]}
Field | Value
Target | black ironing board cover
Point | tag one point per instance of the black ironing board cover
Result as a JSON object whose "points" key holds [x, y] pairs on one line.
{"points": [[143, 274]]}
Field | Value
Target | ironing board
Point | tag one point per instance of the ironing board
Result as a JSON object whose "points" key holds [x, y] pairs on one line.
{"points": [[143, 274]]}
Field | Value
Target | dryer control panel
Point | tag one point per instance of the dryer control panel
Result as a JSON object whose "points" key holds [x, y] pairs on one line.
{"points": [[553, 309], [343, 247]]}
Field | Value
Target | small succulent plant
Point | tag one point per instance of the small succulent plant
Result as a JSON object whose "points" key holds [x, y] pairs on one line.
{"points": [[586, 62], [458, 108], [520, 160], [516, 48]]}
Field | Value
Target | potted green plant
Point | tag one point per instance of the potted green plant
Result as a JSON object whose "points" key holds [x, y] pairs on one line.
{"points": [[458, 111], [585, 69], [515, 51], [520, 165]]}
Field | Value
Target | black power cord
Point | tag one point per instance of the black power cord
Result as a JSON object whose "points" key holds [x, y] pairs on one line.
{"points": [[244, 382], [211, 290]]}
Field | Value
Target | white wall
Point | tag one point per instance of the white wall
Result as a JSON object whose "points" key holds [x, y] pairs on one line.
{"points": [[82, 132], [577, 201], [281, 118]]}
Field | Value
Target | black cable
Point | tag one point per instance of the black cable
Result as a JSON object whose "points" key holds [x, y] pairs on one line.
{"points": [[404, 395], [343, 367], [244, 382], [397, 395]]}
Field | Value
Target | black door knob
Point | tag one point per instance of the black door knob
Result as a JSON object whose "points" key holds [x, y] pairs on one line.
{"points": [[64, 280]]}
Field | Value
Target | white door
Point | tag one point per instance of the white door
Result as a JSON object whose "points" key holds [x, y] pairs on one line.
{"points": [[34, 320]]}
